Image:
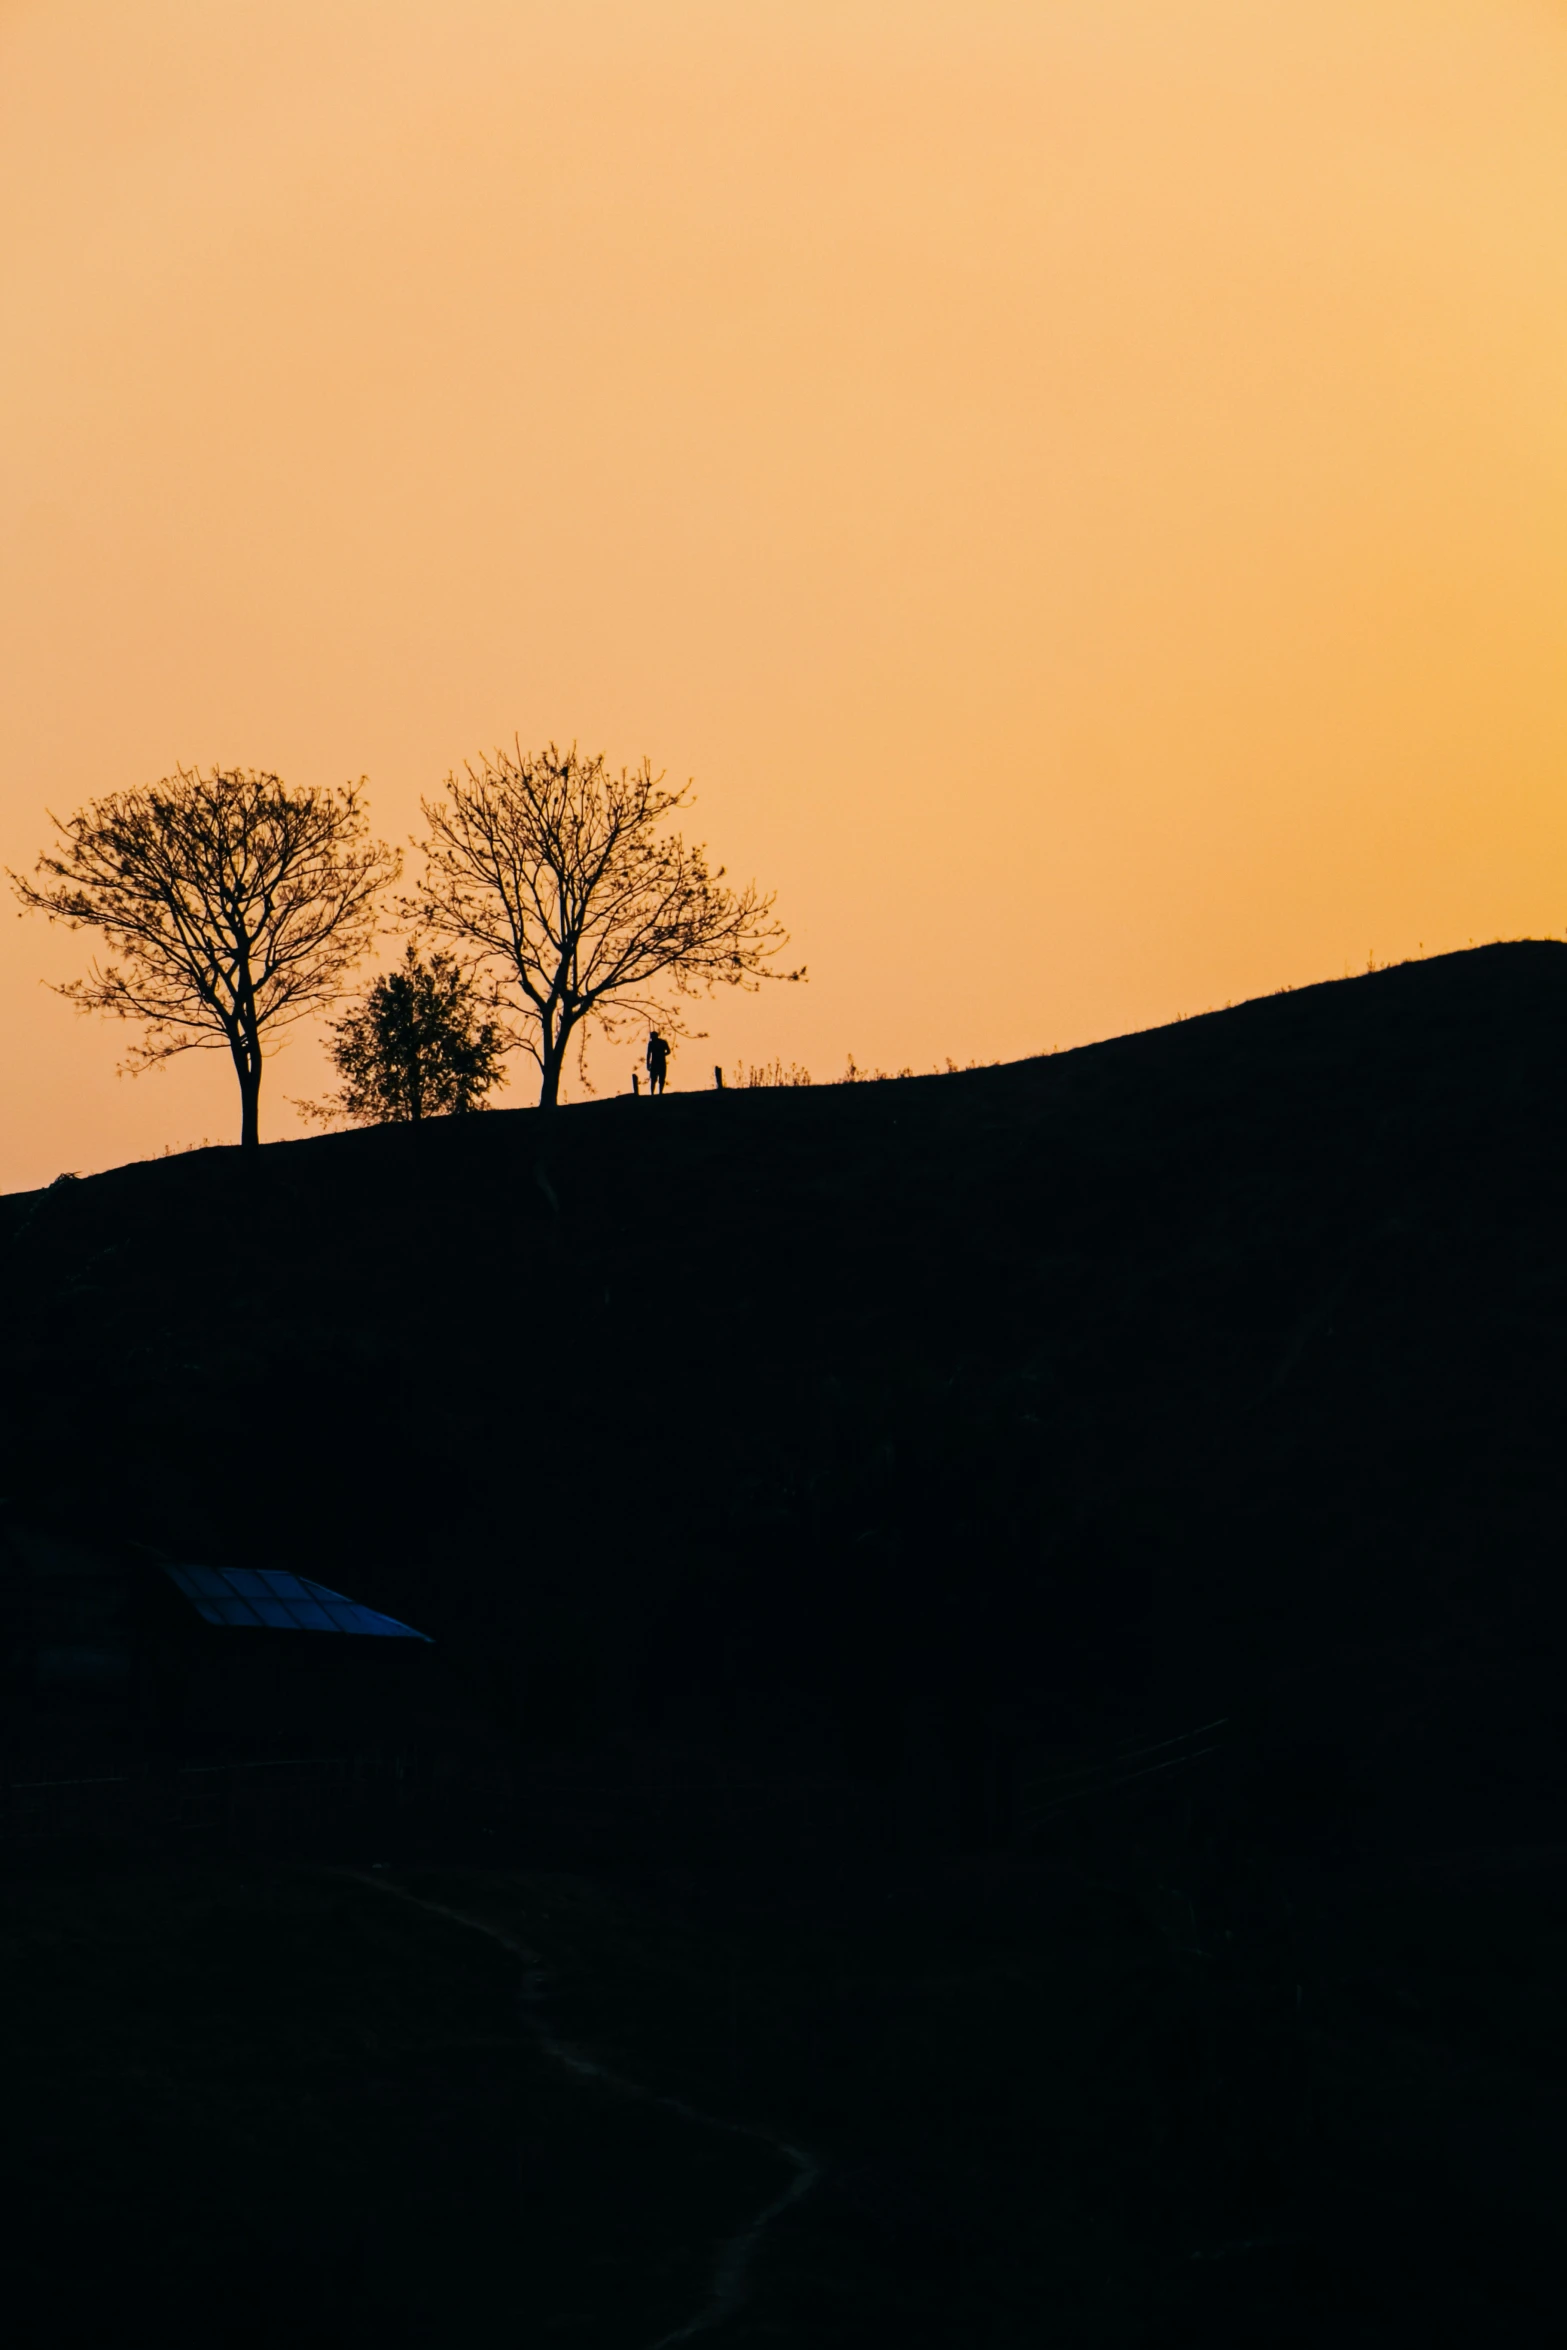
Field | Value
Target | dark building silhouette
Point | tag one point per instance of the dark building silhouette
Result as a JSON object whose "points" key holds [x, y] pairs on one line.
{"points": [[117, 1666]]}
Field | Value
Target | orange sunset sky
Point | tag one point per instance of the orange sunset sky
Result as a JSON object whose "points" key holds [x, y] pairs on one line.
{"points": [[1081, 485]]}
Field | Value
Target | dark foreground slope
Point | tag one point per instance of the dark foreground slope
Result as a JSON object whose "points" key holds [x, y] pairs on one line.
{"points": [[1210, 1369], [897, 1445]]}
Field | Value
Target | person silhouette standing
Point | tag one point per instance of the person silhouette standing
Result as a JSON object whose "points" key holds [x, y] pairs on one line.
{"points": [[657, 1062]]}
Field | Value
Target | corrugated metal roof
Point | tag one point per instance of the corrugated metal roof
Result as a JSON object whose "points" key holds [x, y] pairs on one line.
{"points": [[267, 1597]]}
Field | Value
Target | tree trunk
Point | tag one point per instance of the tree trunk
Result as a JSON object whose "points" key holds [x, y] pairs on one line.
{"points": [[549, 1088], [246, 1052], [250, 1109]]}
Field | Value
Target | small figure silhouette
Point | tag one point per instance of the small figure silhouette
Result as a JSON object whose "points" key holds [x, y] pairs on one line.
{"points": [[636, 1082], [657, 1062]]}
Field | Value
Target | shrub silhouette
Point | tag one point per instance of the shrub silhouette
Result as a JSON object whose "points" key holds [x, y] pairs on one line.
{"points": [[415, 1047]]}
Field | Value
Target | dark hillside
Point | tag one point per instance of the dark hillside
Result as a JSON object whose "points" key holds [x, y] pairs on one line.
{"points": [[799, 1486], [1213, 1370]]}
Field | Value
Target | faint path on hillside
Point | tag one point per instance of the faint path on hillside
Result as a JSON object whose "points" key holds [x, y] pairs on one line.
{"points": [[728, 2287]]}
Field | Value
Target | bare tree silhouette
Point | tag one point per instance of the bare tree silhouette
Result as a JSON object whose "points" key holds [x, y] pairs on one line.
{"points": [[235, 904], [561, 878]]}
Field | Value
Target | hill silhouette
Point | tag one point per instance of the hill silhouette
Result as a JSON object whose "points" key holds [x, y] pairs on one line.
{"points": [[1024, 1610], [1210, 1371]]}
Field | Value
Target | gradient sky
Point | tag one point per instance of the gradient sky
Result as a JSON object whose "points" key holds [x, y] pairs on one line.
{"points": [[1081, 485]]}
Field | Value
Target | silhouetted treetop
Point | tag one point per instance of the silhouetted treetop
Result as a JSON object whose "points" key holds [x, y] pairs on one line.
{"points": [[562, 877], [235, 904], [415, 1045]]}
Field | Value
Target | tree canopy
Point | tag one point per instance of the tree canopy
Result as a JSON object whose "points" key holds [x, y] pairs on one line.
{"points": [[235, 907], [563, 878], [415, 1045]]}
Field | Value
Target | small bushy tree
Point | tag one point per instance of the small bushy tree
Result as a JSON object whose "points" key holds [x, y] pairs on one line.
{"points": [[415, 1046]]}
